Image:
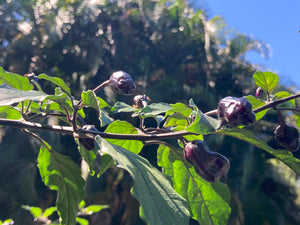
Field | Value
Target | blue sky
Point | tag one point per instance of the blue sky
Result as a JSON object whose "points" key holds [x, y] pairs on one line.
{"points": [[274, 22]]}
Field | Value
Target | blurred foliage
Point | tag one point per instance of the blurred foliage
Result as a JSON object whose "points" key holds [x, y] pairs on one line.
{"points": [[174, 51]]}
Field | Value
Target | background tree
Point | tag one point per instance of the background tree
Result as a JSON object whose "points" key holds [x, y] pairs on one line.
{"points": [[175, 52]]}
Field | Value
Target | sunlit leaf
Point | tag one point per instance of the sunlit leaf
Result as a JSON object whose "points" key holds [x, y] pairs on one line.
{"points": [[159, 203], [49, 211], [60, 173], [284, 94], [8, 112], [266, 80], [82, 221], [255, 104], [208, 202], [15, 81], [180, 108], [123, 127], [203, 124], [36, 212], [94, 209], [177, 121]]}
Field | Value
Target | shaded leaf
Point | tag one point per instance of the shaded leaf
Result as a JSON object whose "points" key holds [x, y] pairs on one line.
{"points": [[284, 155], [159, 203], [153, 109], [208, 202], [89, 99], [15, 80], [106, 163], [123, 107], [60, 173], [123, 127], [10, 95], [87, 155], [57, 81], [266, 80]]}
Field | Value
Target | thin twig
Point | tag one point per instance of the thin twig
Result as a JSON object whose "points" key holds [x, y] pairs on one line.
{"points": [[84, 133], [276, 102]]}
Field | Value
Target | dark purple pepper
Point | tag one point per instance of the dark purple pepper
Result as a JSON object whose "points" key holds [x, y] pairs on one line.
{"points": [[88, 143], [235, 111], [288, 137], [122, 83], [141, 101], [259, 92], [211, 166]]}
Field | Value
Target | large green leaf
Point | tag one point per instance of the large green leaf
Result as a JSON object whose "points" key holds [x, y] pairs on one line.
{"points": [[15, 80], [89, 99], [60, 173], [123, 127], [159, 203], [248, 136], [208, 203], [10, 95], [57, 81], [266, 80]]}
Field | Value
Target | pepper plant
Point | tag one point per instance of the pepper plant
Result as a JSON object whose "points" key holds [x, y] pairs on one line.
{"points": [[192, 179]]}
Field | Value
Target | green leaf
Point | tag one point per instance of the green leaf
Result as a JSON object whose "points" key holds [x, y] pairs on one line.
{"points": [[106, 163], [15, 80], [123, 127], [94, 209], [8, 112], [57, 81], [60, 173], [266, 80], [255, 104], [180, 108], [177, 121], [87, 155], [283, 155], [159, 203], [284, 94], [209, 203], [153, 109], [203, 124], [10, 95], [89, 99], [123, 107], [49, 211], [82, 221], [36, 212]]}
